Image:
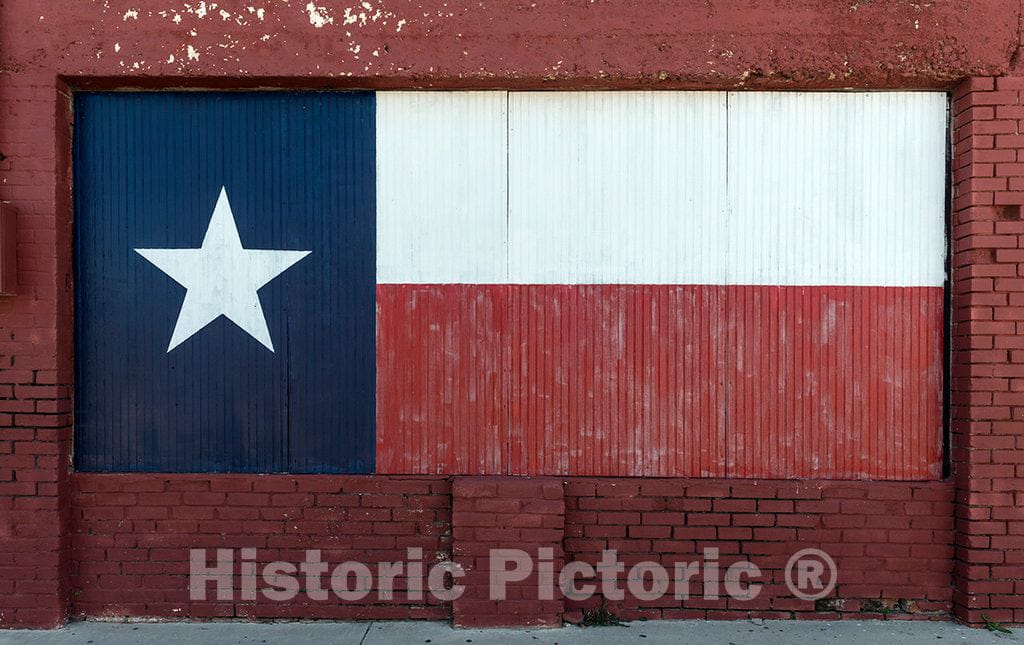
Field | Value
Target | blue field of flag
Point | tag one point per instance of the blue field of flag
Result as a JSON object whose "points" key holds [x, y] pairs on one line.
{"points": [[224, 281]]}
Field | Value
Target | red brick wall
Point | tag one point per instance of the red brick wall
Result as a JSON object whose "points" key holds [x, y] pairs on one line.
{"points": [[891, 542], [35, 377], [523, 513], [131, 536], [819, 43], [987, 389]]}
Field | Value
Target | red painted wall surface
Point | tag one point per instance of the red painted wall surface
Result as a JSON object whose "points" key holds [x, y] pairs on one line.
{"points": [[686, 381], [780, 43], [783, 44], [131, 535], [891, 542], [988, 348], [35, 370], [506, 513]]}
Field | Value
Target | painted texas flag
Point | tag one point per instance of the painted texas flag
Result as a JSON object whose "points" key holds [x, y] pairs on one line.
{"points": [[584, 283]]}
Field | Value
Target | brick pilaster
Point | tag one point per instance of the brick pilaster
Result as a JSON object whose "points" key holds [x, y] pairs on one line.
{"points": [[522, 513], [35, 354], [987, 380]]}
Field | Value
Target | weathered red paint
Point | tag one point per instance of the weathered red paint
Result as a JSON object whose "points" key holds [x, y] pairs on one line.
{"points": [[656, 380], [987, 388], [835, 382], [8, 250], [781, 44], [550, 379], [506, 513], [574, 43], [130, 537]]}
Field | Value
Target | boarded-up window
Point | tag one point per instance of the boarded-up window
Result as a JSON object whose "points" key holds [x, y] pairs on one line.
{"points": [[591, 283], [661, 283]]}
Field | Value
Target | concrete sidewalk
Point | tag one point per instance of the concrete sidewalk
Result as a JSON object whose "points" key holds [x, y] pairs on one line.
{"points": [[646, 633]]}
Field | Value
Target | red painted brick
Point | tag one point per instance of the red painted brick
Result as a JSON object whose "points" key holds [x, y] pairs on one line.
{"points": [[127, 511]]}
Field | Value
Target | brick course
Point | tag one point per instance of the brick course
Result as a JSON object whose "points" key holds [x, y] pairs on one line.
{"points": [[892, 542], [131, 536]]}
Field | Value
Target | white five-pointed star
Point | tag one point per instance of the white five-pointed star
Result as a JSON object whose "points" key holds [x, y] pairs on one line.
{"points": [[221, 278]]}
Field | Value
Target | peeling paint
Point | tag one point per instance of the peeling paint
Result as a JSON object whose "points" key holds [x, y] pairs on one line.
{"points": [[887, 46], [199, 10], [192, 53], [318, 16]]}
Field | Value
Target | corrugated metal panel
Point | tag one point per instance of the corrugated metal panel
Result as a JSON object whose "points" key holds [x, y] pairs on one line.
{"points": [[837, 188], [441, 187], [834, 382], [691, 381], [526, 379], [810, 202], [779, 188], [298, 169], [631, 374], [617, 187]]}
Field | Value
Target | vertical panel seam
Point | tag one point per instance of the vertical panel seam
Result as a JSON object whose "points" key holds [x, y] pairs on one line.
{"points": [[728, 300]]}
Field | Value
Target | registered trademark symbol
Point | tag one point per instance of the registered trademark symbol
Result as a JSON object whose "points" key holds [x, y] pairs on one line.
{"points": [[811, 574]]}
